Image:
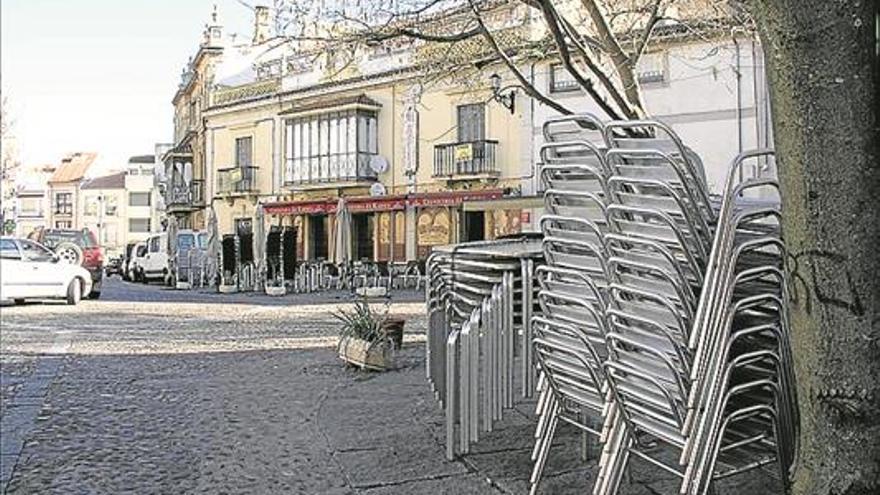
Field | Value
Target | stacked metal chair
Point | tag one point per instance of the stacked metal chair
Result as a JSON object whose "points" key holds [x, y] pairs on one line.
{"points": [[698, 360], [479, 299], [569, 340], [662, 326]]}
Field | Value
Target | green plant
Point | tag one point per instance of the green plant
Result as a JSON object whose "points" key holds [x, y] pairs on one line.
{"points": [[362, 322]]}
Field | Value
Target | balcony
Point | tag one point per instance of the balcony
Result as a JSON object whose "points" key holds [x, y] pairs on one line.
{"points": [[335, 170], [236, 181], [467, 160], [182, 196]]}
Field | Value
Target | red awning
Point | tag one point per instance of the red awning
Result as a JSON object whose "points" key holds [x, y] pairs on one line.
{"points": [[381, 203], [328, 206], [453, 198]]}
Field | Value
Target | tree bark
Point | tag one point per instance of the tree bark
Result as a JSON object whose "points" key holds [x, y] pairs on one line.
{"points": [[823, 73]]}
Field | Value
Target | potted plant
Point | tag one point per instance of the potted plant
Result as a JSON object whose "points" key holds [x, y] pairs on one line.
{"points": [[367, 337]]}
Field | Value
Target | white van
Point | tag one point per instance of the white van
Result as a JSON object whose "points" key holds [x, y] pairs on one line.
{"points": [[154, 266]]}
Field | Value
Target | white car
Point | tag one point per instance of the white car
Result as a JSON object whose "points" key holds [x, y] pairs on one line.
{"points": [[138, 255], [29, 270]]}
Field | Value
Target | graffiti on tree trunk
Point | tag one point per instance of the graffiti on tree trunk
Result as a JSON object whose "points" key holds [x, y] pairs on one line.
{"points": [[833, 285]]}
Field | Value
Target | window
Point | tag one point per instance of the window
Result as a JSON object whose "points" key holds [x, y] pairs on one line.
{"points": [[471, 122], [139, 225], [244, 152], [63, 224], [110, 206], [31, 206], [34, 252], [331, 147], [561, 81], [82, 238], [155, 244], [64, 203], [185, 242], [8, 249], [139, 199], [652, 68], [91, 206]]}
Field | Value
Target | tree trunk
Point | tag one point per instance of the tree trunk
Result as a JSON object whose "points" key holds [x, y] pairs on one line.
{"points": [[822, 67]]}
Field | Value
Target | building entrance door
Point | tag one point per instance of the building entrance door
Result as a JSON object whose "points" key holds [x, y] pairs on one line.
{"points": [[362, 235], [474, 226], [318, 236]]}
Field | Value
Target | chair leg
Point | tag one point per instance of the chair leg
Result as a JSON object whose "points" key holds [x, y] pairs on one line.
{"points": [[542, 449]]}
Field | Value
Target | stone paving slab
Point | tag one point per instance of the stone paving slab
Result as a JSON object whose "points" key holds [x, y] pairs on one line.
{"points": [[196, 397], [450, 485]]}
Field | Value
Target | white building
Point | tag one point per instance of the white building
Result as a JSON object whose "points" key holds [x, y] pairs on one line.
{"points": [[32, 199], [120, 208], [160, 183], [712, 93]]}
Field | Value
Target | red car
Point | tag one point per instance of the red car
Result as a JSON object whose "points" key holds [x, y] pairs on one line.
{"points": [[78, 247]]}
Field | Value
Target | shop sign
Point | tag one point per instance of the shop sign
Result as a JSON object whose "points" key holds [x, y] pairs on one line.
{"points": [[464, 152], [454, 198], [379, 204]]}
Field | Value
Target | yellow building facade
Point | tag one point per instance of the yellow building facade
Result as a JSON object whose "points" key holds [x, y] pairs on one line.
{"points": [[409, 161], [426, 147], [185, 171]]}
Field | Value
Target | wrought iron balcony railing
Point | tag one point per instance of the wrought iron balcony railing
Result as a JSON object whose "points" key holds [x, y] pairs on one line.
{"points": [[334, 168], [181, 194], [237, 180], [466, 158]]}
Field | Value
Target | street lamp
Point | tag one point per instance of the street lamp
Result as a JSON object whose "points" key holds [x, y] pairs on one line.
{"points": [[508, 100]]}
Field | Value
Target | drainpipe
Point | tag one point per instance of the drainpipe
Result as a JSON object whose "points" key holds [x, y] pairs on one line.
{"points": [[532, 163], [739, 126], [755, 94]]}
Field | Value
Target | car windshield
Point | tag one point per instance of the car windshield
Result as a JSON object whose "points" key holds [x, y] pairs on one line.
{"points": [[185, 241], [203, 240], [82, 238], [141, 251]]}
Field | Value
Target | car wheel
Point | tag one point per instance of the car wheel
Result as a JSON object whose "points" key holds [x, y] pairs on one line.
{"points": [[94, 295], [18, 302], [69, 253], [74, 292]]}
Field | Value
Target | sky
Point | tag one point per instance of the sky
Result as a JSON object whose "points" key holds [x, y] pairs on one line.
{"points": [[99, 75]]}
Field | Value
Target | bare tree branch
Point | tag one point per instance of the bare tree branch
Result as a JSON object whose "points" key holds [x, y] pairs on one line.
{"points": [[630, 110], [527, 86], [435, 38], [623, 65], [656, 15], [551, 17]]}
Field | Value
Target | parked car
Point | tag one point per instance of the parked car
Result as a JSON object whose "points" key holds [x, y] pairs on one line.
{"points": [[113, 267], [138, 254], [33, 271], [76, 247], [154, 265], [127, 257]]}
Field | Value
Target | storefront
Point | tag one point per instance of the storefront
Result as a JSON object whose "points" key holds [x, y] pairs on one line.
{"points": [[372, 226], [379, 224]]}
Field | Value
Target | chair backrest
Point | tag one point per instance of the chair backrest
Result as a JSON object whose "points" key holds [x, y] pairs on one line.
{"points": [[584, 126]]}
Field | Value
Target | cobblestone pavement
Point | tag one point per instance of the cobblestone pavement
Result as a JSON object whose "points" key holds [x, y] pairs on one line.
{"points": [[157, 391]]}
